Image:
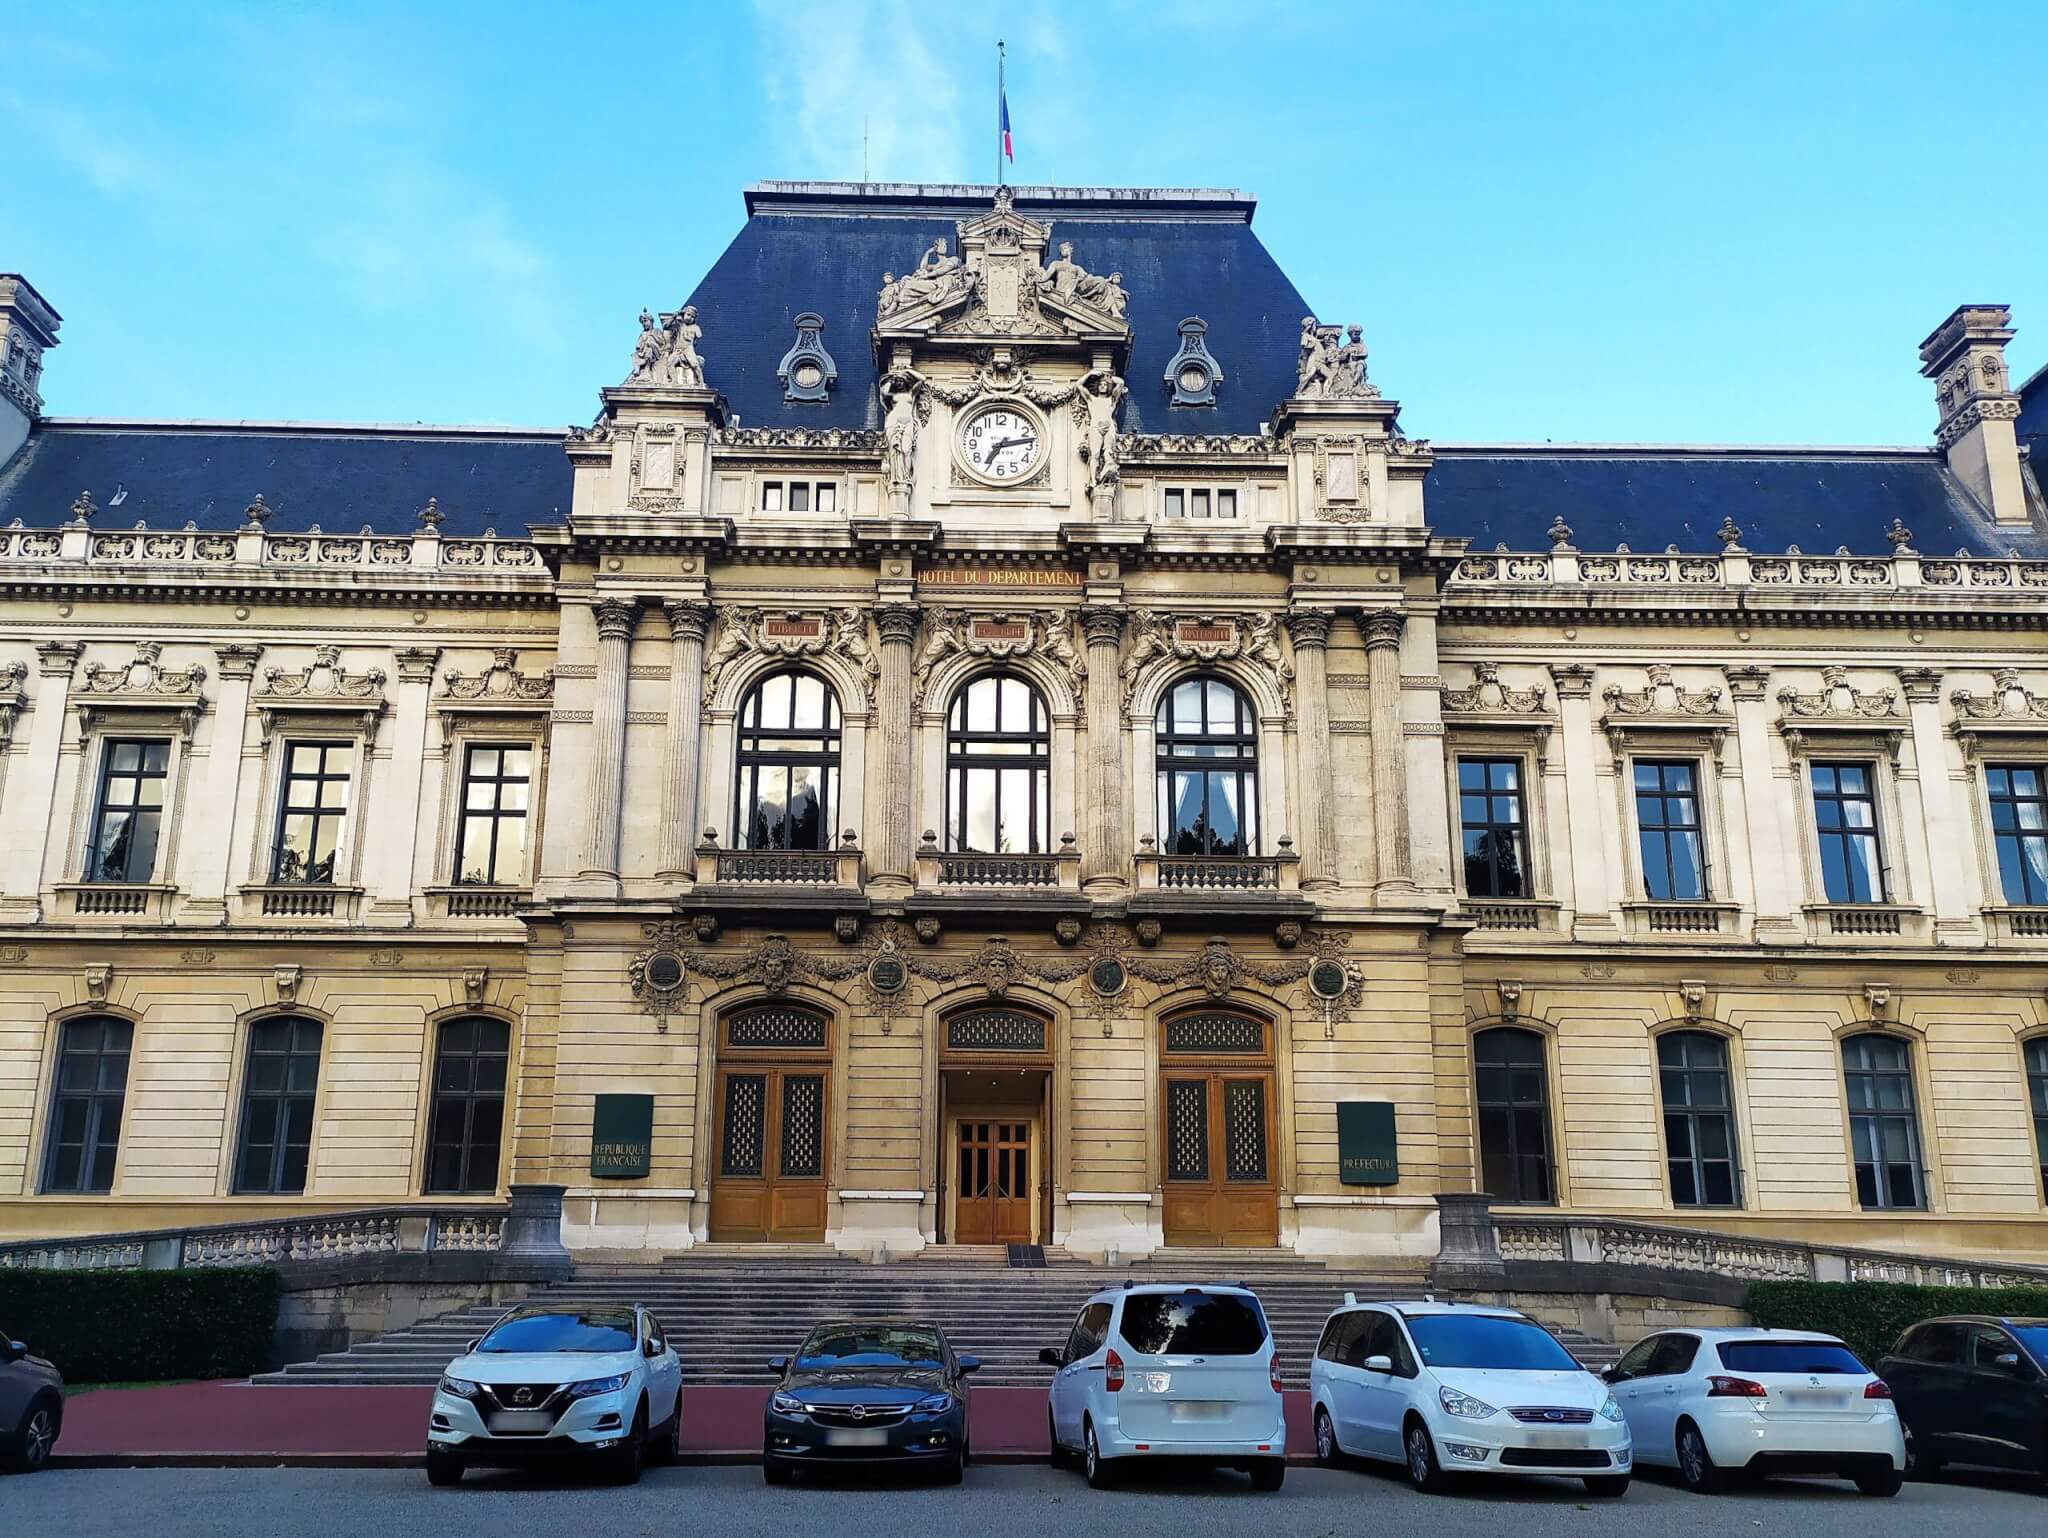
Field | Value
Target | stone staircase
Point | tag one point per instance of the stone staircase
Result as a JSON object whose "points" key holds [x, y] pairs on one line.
{"points": [[728, 1311]]}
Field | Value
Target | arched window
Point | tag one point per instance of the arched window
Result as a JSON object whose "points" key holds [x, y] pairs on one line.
{"points": [[1514, 1115], [278, 1087], [2037, 1097], [998, 768], [1884, 1129], [1699, 1119], [788, 764], [1208, 758], [468, 1121], [91, 1091]]}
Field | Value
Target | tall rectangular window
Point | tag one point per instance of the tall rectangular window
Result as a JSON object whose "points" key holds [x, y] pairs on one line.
{"points": [[2019, 828], [1491, 827], [491, 840], [128, 812], [85, 1110], [1845, 815], [1884, 1128], [1668, 830], [278, 1089], [311, 810]]}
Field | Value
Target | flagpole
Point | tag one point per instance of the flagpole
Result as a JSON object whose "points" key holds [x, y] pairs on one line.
{"points": [[999, 112]]}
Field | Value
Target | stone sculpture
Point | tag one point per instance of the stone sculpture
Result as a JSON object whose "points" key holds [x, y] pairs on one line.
{"points": [[1329, 367], [665, 353]]}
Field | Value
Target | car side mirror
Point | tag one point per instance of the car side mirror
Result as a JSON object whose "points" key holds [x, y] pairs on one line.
{"points": [[15, 1350], [970, 1364], [1052, 1357], [471, 1347], [2006, 1361], [778, 1364], [652, 1348], [1379, 1364], [1611, 1375]]}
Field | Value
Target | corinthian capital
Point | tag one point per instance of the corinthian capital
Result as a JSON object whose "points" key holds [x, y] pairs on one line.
{"points": [[896, 623], [689, 621], [1102, 625], [1382, 628], [1310, 627], [615, 619]]}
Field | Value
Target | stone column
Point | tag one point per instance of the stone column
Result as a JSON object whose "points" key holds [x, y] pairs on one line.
{"points": [[1389, 779], [688, 623], [1315, 823], [1106, 825], [615, 619], [895, 851]]}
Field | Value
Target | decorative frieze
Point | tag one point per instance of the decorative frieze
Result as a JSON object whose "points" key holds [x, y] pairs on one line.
{"points": [[1253, 638], [743, 630], [1049, 635]]}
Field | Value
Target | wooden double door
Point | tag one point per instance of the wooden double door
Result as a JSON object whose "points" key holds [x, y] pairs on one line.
{"points": [[772, 1151], [993, 1189], [1220, 1187]]}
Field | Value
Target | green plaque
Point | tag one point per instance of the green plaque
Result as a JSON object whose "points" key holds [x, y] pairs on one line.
{"points": [[622, 1137], [1366, 1151]]}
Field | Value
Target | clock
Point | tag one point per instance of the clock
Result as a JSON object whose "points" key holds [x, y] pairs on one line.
{"points": [[1001, 443]]}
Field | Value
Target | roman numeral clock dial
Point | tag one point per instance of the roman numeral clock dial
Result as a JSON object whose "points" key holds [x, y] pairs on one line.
{"points": [[1000, 443]]}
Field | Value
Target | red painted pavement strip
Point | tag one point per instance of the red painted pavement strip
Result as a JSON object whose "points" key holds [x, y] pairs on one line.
{"points": [[231, 1420]]}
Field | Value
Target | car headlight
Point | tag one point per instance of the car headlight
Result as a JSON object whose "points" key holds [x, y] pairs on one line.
{"points": [[590, 1386], [461, 1388], [786, 1404], [1611, 1411], [1464, 1406], [935, 1404]]}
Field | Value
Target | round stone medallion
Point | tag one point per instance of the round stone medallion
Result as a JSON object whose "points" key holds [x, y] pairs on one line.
{"points": [[1328, 979], [665, 971], [1107, 976], [887, 974]]}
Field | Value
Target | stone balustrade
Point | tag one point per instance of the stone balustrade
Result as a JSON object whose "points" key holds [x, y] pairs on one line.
{"points": [[1905, 570], [193, 551]]}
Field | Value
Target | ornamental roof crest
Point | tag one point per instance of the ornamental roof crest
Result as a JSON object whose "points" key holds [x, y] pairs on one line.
{"points": [[993, 282], [1838, 699], [2009, 700], [144, 674]]}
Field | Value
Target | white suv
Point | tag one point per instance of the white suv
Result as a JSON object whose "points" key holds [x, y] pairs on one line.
{"points": [[563, 1380], [1458, 1388], [1714, 1402], [1154, 1372]]}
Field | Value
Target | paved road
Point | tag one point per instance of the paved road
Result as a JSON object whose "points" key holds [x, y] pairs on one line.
{"points": [[996, 1502]]}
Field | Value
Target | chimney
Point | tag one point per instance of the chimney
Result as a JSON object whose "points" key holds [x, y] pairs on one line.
{"points": [[27, 326], [1965, 357]]}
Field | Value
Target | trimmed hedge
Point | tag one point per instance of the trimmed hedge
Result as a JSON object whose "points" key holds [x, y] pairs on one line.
{"points": [[1870, 1316], [139, 1326]]}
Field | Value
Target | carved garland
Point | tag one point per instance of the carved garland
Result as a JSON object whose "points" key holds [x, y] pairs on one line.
{"points": [[1254, 638], [998, 636], [792, 633]]}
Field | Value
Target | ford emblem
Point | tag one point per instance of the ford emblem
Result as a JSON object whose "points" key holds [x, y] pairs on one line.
{"points": [[1553, 1415]]}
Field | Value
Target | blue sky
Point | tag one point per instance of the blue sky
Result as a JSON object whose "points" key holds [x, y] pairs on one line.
{"points": [[1630, 222]]}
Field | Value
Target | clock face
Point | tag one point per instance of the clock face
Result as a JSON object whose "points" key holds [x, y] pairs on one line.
{"points": [[1001, 443]]}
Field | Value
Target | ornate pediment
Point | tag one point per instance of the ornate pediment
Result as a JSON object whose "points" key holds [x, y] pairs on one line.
{"points": [[1840, 701], [743, 629], [993, 283], [142, 683], [1489, 696], [501, 681], [1048, 634], [322, 686], [2009, 701], [1207, 638], [1662, 699]]}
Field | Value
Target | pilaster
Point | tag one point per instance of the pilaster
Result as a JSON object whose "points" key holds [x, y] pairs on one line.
{"points": [[615, 619], [25, 831], [1944, 822], [688, 624], [1775, 857], [214, 787], [896, 850], [1592, 899], [1105, 852], [395, 791], [1395, 862], [1316, 826]]}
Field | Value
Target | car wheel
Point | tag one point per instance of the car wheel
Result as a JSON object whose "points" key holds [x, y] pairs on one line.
{"points": [[1101, 1471], [1327, 1451], [1269, 1473], [774, 1472], [630, 1456], [37, 1435], [1922, 1465], [1880, 1482], [1696, 1465], [1424, 1472], [1056, 1456], [954, 1469], [443, 1468]]}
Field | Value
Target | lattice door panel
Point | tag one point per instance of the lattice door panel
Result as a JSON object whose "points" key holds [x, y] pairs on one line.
{"points": [[1244, 1129], [746, 1118], [1187, 1129], [803, 1126]]}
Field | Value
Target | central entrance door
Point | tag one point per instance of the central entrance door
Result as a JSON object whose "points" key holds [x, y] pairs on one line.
{"points": [[772, 1132], [992, 1200], [1216, 1099]]}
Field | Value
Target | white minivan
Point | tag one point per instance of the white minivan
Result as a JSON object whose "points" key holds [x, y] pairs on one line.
{"points": [[1742, 1400], [1168, 1372], [1461, 1388]]}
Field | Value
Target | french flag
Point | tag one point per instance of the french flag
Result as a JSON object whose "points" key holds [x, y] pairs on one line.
{"points": [[1008, 153]]}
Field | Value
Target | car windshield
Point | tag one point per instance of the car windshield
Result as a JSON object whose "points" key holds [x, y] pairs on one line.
{"points": [[1488, 1341], [1807, 1356], [597, 1330], [1193, 1324], [872, 1345]]}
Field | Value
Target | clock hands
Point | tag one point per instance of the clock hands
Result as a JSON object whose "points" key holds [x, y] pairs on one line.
{"points": [[997, 448]]}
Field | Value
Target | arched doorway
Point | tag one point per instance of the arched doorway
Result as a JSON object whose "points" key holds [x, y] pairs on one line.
{"points": [[1221, 1185], [995, 1075], [773, 1135]]}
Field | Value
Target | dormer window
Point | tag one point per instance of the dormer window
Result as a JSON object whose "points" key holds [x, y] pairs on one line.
{"points": [[799, 497], [1198, 502]]}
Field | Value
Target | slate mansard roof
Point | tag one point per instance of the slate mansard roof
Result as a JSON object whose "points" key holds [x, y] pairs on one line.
{"points": [[824, 247]]}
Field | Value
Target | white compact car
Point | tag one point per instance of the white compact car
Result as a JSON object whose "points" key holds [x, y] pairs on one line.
{"points": [[593, 1382], [1459, 1388], [1714, 1402], [1158, 1372]]}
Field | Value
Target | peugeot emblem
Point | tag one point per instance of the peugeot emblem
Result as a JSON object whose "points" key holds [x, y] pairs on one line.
{"points": [[522, 1396], [860, 1412]]}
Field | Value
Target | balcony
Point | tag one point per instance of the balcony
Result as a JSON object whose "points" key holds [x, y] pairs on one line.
{"points": [[2021, 924], [937, 868], [1692, 920], [1866, 921], [1256, 887], [299, 901], [135, 902], [1529, 915], [476, 901]]}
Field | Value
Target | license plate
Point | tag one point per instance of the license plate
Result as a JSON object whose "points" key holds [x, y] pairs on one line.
{"points": [[1201, 1410], [867, 1436], [1808, 1400], [1552, 1439], [520, 1422]]}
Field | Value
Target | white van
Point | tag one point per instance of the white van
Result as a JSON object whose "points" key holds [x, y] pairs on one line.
{"points": [[1180, 1372], [1460, 1388]]}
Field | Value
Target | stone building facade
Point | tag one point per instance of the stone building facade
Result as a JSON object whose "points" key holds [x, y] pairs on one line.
{"points": [[995, 734]]}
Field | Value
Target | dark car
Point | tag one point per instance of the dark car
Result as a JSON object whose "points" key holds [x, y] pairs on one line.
{"points": [[31, 1407], [869, 1392], [1973, 1389]]}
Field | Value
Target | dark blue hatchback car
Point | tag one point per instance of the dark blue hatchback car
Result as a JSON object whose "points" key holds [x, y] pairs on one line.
{"points": [[872, 1393]]}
